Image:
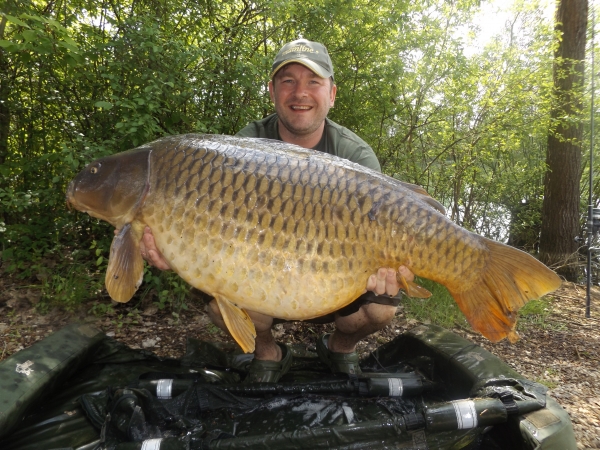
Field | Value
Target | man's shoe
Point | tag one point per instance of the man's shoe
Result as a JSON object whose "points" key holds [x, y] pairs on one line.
{"points": [[337, 362], [262, 371]]}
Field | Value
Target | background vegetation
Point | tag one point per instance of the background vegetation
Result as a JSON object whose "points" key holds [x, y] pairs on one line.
{"points": [[80, 79]]}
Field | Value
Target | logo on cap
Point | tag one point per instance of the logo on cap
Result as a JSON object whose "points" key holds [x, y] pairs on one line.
{"points": [[311, 55], [299, 49]]}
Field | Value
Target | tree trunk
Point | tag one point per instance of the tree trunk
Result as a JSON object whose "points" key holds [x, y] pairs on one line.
{"points": [[560, 210], [4, 110]]}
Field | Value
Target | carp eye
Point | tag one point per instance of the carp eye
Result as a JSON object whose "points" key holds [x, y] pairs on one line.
{"points": [[94, 170]]}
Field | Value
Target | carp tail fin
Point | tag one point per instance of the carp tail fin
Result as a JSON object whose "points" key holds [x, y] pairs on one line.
{"points": [[510, 279], [238, 323], [125, 269]]}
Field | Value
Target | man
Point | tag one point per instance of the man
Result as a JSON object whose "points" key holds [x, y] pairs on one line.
{"points": [[303, 91]]}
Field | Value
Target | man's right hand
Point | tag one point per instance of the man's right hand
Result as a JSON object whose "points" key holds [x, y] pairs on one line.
{"points": [[150, 253]]}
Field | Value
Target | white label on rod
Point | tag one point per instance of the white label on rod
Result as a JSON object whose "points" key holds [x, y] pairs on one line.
{"points": [[151, 444], [164, 389], [396, 387], [466, 416]]}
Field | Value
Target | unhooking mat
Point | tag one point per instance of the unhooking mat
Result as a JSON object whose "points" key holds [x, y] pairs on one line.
{"points": [[426, 389]]}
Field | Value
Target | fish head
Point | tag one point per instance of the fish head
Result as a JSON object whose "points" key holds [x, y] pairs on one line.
{"points": [[112, 188]]}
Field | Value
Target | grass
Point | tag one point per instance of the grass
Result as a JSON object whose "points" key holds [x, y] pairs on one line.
{"points": [[547, 383], [536, 313], [68, 288], [440, 309], [211, 328], [550, 372]]}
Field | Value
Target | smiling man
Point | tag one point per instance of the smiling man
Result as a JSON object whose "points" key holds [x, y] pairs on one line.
{"points": [[303, 91]]}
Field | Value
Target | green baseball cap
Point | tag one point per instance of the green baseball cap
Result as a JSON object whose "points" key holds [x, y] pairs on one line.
{"points": [[311, 55]]}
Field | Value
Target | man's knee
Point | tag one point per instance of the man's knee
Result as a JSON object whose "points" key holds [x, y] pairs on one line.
{"points": [[214, 314], [371, 317], [379, 314], [262, 323]]}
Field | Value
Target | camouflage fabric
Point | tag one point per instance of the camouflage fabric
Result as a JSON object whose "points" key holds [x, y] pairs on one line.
{"points": [[81, 390], [28, 375]]}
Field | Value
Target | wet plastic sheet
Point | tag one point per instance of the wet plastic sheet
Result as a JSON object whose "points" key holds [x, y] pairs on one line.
{"points": [[455, 395]]}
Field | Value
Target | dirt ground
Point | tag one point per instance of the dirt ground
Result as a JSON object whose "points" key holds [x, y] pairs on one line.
{"points": [[561, 351]]}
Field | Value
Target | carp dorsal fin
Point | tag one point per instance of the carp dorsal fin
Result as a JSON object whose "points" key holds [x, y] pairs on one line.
{"points": [[125, 264], [424, 195], [238, 323]]}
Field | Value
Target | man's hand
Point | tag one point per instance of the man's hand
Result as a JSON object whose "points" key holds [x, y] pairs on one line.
{"points": [[385, 282], [149, 251]]}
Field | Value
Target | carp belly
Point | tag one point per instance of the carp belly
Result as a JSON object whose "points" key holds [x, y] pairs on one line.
{"points": [[268, 278]]}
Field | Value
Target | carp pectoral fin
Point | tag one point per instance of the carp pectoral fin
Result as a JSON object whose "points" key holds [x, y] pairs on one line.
{"points": [[125, 265], [509, 280], [238, 323], [412, 289]]}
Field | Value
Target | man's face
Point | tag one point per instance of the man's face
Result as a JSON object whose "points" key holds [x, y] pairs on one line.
{"points": [[302, 99]]}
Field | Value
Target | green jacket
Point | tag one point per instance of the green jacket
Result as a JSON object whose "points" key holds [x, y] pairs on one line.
{"points": [[337, 140]]}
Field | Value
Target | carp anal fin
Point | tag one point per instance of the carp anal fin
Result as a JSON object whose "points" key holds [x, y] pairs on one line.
{"points": [[238, 323], [125, 265], [424, 195], [411, 288], [509, 279]]}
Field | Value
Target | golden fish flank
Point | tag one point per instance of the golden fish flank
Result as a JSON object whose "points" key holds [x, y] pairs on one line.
{"points": [[270, 227]]}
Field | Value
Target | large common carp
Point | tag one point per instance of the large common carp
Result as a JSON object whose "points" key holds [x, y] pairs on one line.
{"points": [[292, 233]]}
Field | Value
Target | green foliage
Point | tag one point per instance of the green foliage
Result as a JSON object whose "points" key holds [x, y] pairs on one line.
{"points": [[81, 80], [67, 290], [472, 128], [211, 328], [100, 309], [440, 309], [71, 283], [548, 383], [125, 320], [537, 309], [537, 313], [169, 290]]}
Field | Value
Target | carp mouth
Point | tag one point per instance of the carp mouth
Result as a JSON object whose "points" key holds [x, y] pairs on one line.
{"points": [[73, 204], [71, 201]]}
